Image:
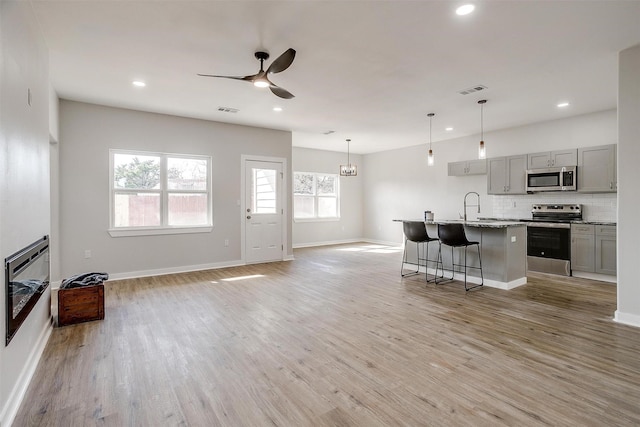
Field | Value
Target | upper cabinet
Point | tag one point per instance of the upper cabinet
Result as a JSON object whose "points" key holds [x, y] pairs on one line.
{"points": [[506, 175], [597, 169], [468, 167], [550, 159]]}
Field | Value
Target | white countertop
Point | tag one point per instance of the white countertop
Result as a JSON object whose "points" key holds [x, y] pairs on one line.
{"points": [[474, 223]]}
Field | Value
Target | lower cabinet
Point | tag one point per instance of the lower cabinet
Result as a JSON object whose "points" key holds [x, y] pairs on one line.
{"points": [[583, 243], [606, 258], [593, 248]]}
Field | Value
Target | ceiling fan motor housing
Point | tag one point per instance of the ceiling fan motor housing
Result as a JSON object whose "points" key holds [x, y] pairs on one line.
{"points": [[262, 56]]}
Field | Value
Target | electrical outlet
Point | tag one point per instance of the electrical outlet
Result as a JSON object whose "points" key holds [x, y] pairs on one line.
{"points": [[87, 254], [514, 203], [226, 242], [513, 239]]}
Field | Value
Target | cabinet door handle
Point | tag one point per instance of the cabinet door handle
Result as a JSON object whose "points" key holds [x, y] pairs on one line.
{"points": [[611, 185]]}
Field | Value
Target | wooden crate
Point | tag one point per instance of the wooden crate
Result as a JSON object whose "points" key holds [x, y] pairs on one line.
{"points": [[80, 304]]}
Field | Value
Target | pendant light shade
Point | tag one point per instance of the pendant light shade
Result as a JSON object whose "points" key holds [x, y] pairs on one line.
{"points": [[482, 151], [348, 169], [430, 159]]}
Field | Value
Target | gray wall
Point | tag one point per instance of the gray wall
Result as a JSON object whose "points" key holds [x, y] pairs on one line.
{"points": [[349, 226], [88, 131], [399, 184], [628, 179], [24, 184]]}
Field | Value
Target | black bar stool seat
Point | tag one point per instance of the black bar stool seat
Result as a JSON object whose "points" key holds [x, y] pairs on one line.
{"points": [[453, 235], [416, 231]]}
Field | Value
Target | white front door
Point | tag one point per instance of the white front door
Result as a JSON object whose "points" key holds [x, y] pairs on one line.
{"points": [[263, 211]]}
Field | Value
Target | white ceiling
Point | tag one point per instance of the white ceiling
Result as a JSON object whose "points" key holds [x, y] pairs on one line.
{"points": [[368, 70]]}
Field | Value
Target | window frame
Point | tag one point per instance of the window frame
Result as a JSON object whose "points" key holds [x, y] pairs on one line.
{"points": [[316, 197], [164, 192]]}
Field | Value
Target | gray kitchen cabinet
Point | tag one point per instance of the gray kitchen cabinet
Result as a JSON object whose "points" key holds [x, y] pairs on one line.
{"points": [[582, 247], [551, 159], [605, 250], [506, 175], [597, 169], [468, 167]]}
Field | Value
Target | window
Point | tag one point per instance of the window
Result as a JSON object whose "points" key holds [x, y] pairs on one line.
{"points": [[155, 193], [315, 195]]}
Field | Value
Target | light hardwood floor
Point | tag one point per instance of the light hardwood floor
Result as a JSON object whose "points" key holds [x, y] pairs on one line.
{"points": [[337, 338]]}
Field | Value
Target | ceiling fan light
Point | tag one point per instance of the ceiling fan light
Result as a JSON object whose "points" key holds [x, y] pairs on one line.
{"points": [[465, 9], [261, 83]]}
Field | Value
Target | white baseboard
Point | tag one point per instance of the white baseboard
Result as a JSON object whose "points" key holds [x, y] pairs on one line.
{"points": [[344, 242], [11, 407], [174, 270], [627, 318], [487, 282], [595, 276]]}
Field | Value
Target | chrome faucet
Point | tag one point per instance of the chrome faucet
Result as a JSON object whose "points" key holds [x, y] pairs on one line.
{"points": [[465, 203]]}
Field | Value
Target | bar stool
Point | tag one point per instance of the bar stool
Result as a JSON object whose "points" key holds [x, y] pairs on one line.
{"points": [[416, 231], [453, 235]]}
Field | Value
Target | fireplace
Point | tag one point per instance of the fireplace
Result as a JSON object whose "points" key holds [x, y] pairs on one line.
{"points": [[27, 277]]}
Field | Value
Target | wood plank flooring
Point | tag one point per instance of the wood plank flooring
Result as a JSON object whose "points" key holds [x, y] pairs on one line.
{"points": [[338, 338]]}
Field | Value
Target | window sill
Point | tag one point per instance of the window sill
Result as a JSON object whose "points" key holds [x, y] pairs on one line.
{"points": [[119, 232], [316, 219]]}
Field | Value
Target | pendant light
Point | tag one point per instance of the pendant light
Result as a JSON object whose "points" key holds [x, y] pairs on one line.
{"points": [[430, 156], [348, 169], [482, 152]]}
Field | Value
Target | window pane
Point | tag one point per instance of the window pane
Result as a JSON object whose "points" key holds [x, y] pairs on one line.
{"points": [[303, 183], [186, 174], [188, 209], [327, 207], [136, 172], [264, 191], [326, 184], [137, 210], [303, 206]]}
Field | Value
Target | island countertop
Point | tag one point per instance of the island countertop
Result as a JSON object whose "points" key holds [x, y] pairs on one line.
{"points": [[473, 223]]}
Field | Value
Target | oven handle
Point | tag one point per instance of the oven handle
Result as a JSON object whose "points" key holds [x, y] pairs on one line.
{"points": [[549, 224]]}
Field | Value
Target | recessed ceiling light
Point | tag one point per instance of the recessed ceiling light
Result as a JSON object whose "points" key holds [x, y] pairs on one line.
{"points": [[563, 104], [138, 83], [448, 129], [277, 109], [465, 9]]}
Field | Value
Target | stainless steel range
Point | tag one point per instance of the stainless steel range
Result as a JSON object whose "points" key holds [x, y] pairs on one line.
{"points": [[549, 237]]}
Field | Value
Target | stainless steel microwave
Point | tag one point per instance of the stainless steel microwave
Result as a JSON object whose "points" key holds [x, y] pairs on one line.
{"points": [[552, 179]]}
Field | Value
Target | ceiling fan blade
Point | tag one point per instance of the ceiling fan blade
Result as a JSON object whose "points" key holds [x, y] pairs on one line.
{"points": [[247, 78], [282, 93], [282, 62]]}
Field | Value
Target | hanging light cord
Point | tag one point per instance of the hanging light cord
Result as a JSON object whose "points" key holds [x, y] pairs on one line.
{"points": [[482, 122], [348, 157], [430, 123]]}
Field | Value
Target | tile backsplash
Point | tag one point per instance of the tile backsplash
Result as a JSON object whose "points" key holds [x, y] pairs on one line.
{"points": [[595, 207]]}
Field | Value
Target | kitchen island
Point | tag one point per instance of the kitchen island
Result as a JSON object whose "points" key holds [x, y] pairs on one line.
{"points": [[503, 247]]}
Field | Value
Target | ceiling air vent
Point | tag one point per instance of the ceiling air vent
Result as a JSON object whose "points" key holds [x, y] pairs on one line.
{"points": [[472, 90], [228, 110]]}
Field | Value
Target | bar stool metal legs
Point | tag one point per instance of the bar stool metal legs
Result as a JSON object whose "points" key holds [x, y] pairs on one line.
{"points": [[453, 235], [416, 231]]}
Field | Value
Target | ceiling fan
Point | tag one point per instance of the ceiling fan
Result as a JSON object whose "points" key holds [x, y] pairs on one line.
{"points": [[261, 79]]}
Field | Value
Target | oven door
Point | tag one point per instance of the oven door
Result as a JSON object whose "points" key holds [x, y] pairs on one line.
{"points": [[549, 241]]}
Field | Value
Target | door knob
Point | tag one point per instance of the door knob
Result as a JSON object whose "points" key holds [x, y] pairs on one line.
{"points": [[248, 216]]}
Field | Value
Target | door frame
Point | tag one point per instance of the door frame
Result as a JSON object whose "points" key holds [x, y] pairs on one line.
{"points": [[243, 201]]}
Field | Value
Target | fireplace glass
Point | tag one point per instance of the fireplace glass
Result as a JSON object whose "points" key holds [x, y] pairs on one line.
{"points": [[27, 276]]}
